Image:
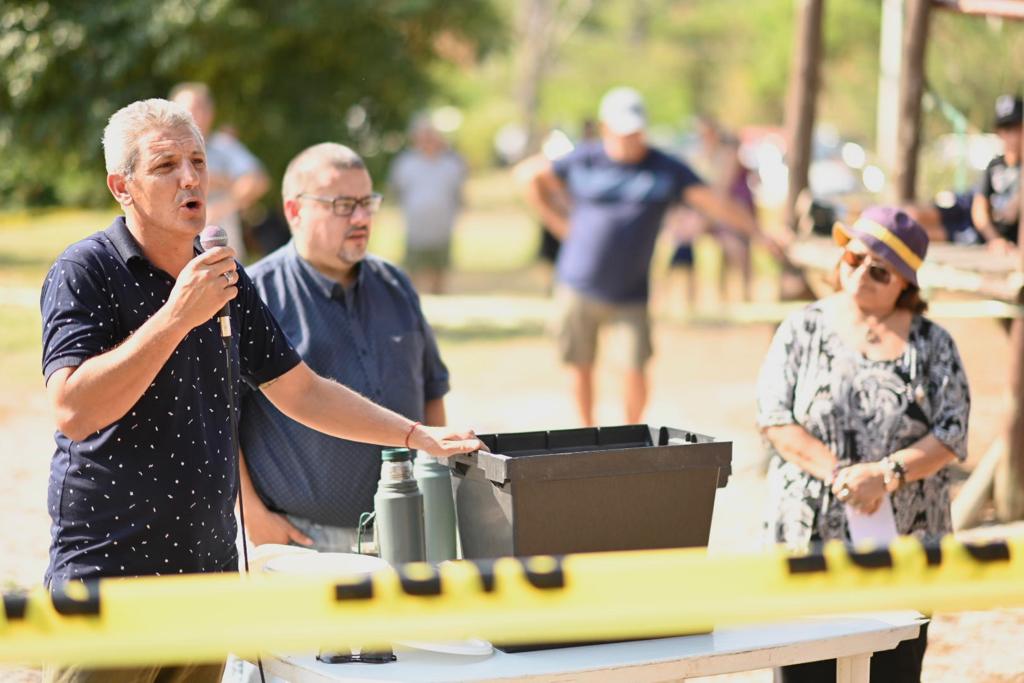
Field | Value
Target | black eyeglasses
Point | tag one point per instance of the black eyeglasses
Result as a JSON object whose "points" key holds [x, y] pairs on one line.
{"points": [[879, 274], [346, 206]]}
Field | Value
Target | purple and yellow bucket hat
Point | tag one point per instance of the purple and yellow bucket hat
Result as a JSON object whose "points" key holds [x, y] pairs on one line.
{"points": [[892, 235]]}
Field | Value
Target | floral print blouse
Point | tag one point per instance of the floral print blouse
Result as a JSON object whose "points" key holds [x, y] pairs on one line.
{"points": [[863, 410]]}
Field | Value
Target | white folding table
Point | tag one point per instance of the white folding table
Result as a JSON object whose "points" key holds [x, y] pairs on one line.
{"points": [[850, 639]]}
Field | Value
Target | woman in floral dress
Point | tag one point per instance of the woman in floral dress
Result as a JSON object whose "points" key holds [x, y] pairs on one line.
{"points": [[864, 402]]}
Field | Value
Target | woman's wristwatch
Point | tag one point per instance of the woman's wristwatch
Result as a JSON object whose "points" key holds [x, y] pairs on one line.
{"points": [[894, 472]]}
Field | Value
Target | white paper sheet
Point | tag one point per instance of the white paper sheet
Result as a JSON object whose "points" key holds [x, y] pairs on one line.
{"points": [[878, 528]]}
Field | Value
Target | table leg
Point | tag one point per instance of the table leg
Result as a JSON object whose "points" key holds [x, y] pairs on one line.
{"points": [[854, 669]]}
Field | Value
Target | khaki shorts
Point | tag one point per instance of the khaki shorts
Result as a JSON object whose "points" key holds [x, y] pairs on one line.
{"points": [[579, 319]]}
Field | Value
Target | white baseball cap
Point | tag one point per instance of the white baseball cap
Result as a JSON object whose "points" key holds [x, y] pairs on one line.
{"points": [[623, 111]]}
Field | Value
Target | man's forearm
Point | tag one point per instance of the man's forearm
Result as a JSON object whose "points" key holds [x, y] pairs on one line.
{"points": [[732, 214], [981, 218], [987, 229], [104, 388], [542, 191], [551, 215], [721, 209], [334, 409]]}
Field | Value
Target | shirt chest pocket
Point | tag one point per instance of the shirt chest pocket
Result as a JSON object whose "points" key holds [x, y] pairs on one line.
{"points": [[400, 360]]}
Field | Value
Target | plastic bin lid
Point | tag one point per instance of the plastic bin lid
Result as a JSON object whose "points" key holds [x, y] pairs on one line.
{"points": [[595, 451]]}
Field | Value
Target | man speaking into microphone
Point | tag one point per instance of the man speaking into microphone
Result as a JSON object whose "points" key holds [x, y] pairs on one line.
{"points": [[143, 480]]}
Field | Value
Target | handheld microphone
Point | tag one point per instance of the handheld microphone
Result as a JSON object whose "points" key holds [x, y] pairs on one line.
{"points": [[215, 236]]}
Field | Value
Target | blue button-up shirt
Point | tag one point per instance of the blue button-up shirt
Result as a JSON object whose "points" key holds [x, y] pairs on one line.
{"points": [[371, 337], [152, 493]]}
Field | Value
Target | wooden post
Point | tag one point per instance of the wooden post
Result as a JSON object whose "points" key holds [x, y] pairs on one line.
{"points": [[976, 492], [543, 26], [800, 104], [890, 59], [534, 56], [915, 43], [1008, 486]]}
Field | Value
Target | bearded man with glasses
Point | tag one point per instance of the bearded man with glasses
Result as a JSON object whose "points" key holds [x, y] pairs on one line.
{"points": [[863, 403], [357, 320]]}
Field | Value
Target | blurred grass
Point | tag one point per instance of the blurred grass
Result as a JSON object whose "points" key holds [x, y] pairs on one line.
{"points": [[20, 356], [30, 241]]}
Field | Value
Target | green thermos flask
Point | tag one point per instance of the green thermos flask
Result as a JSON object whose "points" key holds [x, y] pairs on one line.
{"points": [[435, 482], [398, 505]]}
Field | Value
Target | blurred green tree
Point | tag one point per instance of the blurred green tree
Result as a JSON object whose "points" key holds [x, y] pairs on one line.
{"points": [[731, 59], [284, 74]]}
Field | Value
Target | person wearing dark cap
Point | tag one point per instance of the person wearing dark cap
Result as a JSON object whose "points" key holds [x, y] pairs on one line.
{"points": [[996, 206], [606, 200], [863, 404]]}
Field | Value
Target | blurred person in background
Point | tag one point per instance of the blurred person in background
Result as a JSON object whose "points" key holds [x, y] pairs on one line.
{"points": [[947, 218], [684, 227], [996, 207], [606, 200], [237, 178], [863, 402], [428, 179], [719, 163], [727, 176]]}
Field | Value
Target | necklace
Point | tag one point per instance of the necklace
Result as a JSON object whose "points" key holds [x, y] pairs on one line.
{"points": [[871, 335]]}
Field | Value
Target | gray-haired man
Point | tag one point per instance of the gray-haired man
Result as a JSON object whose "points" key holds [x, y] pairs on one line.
{"points": [[142, 481]]}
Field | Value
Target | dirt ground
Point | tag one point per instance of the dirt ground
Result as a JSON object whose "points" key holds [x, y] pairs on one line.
{"points": [[703, 379]]}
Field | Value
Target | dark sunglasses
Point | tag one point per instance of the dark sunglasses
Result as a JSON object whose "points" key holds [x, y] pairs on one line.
{"points": [[876, 272]]}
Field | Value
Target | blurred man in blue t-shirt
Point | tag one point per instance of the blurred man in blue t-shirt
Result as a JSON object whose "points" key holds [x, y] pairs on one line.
{"points": [[606, 201]]}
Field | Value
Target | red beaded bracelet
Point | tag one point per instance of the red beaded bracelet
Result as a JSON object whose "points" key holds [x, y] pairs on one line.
{"points": [[411, 430]]}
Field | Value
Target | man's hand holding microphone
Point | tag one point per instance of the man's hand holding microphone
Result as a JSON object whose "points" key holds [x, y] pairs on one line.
{"points": [[207, 284]]}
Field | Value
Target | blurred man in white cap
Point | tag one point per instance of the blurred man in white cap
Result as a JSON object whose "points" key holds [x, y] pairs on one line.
{"points": [[606, 201]]}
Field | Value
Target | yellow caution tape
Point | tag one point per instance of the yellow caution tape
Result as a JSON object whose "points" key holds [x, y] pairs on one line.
{"points": [[159, 620]]}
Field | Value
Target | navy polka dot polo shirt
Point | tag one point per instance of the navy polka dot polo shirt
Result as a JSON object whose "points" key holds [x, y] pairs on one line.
{"points": [[152, 493]]}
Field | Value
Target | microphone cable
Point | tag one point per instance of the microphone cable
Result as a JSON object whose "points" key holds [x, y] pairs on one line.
{"points": [[236, 450], [215, 236]]}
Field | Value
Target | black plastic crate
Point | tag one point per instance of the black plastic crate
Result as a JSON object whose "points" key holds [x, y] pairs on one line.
{"points": [[595, 489]]}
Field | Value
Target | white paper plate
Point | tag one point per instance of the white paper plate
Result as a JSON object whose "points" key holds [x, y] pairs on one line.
{"points": [[473, 647], [325, 563]]}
